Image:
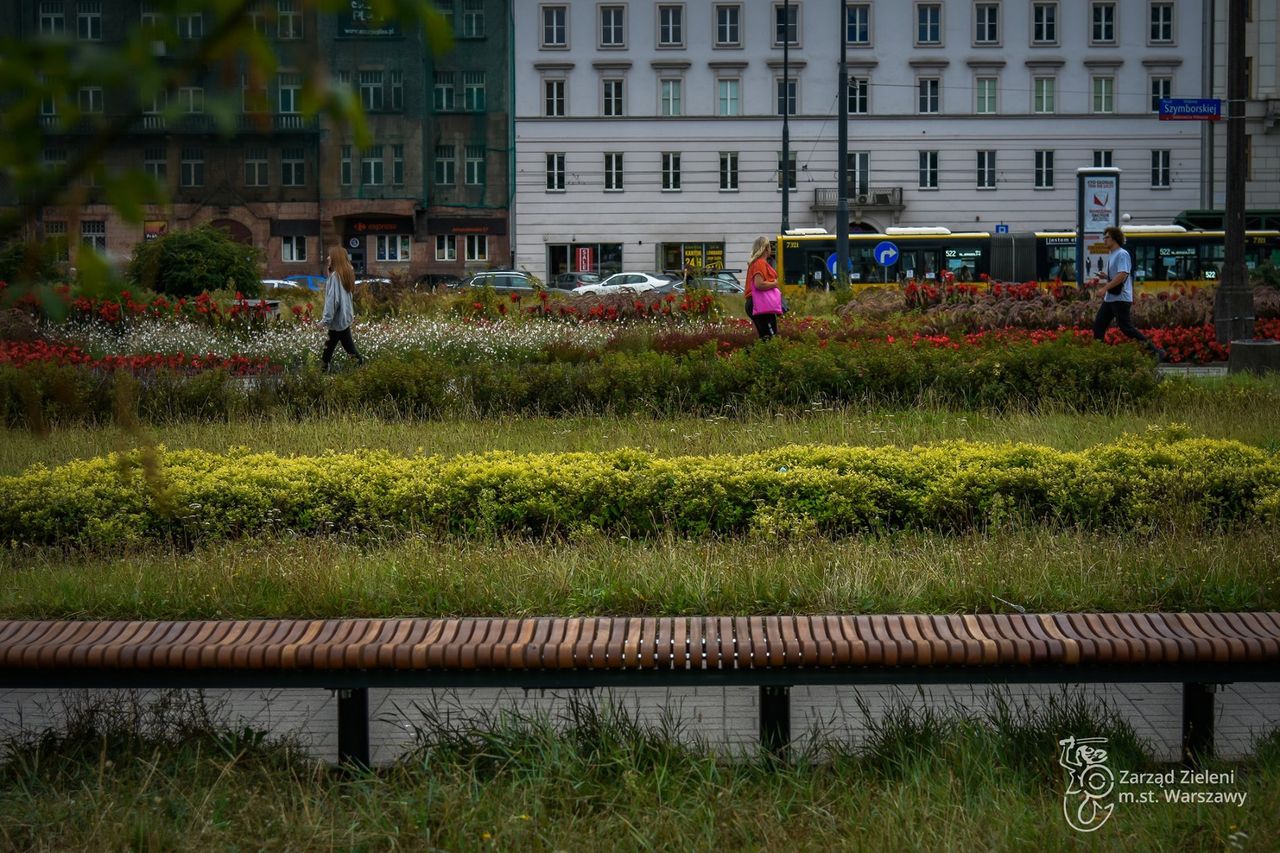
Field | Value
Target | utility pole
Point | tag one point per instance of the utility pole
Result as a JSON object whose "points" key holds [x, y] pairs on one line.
{"points": [[786, 112], [842, 160], [1233, 303]]}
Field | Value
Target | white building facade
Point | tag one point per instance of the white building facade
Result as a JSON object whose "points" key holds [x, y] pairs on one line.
{"points": [[649, 134], [1262, 108]]}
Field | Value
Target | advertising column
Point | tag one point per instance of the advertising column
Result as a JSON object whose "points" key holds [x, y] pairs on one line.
{"points": [[1097, 208]]}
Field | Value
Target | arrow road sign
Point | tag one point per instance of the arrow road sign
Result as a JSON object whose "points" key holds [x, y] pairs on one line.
{"points": [[886, 254]]}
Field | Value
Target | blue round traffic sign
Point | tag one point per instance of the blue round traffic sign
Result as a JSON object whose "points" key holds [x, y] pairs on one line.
{"points": [[886, 254], [831, 263]]}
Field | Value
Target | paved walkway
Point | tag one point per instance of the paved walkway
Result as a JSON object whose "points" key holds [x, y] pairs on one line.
{"points": [[724, 718]]}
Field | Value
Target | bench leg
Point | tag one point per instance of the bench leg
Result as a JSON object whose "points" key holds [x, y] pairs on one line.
{"points": [[1197, 723], [775, 720], [353, 727]]}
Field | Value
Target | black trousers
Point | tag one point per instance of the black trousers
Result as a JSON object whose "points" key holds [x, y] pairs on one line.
{"points": [[348, 344], [766, 325], [1121, 313]]}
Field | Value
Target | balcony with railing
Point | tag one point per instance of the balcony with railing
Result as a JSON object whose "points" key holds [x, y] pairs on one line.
{"points": [[278, 122], [863, 198]]}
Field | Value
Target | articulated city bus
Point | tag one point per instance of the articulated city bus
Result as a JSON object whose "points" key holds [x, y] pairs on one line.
{"points": [[1164, 256]]}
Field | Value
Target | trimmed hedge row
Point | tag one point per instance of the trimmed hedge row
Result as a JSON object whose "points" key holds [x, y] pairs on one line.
{"points": [[797, 490], [789, 373]]}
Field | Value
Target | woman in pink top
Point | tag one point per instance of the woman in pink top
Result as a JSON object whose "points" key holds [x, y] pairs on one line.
{"points": [[764, 299]]}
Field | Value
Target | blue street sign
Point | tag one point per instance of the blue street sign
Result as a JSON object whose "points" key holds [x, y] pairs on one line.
{"points": [[1002, 228], [831, 263], [1190, 109], [886, 254]]}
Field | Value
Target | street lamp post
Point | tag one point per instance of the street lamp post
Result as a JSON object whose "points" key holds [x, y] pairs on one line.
{"points": [[842, 159], [1233, 303], [786, 112]]}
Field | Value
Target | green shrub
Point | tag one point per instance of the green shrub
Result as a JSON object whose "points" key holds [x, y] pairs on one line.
{"points": [[31, 261], [1134, 484], [187, 263]]}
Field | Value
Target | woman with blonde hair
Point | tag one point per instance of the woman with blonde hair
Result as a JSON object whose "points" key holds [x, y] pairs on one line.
{"points": [[338, 308], [764, 299]]}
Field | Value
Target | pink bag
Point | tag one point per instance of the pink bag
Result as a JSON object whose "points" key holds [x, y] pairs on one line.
{"points": [[766, 301]]}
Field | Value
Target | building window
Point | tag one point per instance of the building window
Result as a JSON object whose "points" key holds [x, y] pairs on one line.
{"points": [[728, 25], [344, 166], [55, 232], [786, 30], [1104, 94], [472, 19], [787, 96], [293, 249], [927, 95], [670, 26], [1044, 23], [1161, 89], [928, 23], [392, 247], [986, 24], [442, 91], [1248, 157], [397, 165], [613, 104], [191, 99], [613, 171], [371, 166], [290, 92], [445, 165], [1162, 23], [477, 247], [371, 90], [555, 26], [293, 171], [1045, 94], [446, 247], [986, 170], [192, 166], [90, 99], [671, 97], [397, 91], [860, 172], [859, 91], [613, 31], [473, 165], [1044, 170], [89, 20], [857, 24], [1103, 23], [155, 162], [985, 90], [670, 171], [789, 171], [445, 8], [255, 167], [289, 20], [473, 99], [728, 97], [553, 103], [1102, 159], [191, 27], [253, 96], [52, 20], [93, 234], [928, 170], [728, 171], [1160, 168], [555, 173]]}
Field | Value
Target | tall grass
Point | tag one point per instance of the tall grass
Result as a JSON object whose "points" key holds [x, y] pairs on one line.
{"points": [[598, 780], [1037, 568]]}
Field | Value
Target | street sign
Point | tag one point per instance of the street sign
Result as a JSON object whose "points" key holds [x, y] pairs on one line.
{"points": [[1002, 228], [831, 263], [1190, 109], [886, 254]]}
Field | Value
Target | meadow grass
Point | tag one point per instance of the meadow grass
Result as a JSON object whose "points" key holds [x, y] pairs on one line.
{"points": [[1035, 567], [597, 779], [1241, 408]]}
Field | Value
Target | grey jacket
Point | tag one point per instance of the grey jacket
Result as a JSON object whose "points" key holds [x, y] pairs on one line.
{"points": [[338, 311]]}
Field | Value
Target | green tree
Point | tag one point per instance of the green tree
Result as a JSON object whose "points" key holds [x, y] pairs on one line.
{"points": [[186, 263]]}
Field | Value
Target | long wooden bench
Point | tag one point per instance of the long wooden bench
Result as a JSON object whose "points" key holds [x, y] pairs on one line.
{"points": [[1199, 650]]}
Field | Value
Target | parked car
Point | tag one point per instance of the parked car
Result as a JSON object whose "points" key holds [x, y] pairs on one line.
{"points": [[626, 282], [717, 284], [432, 282], [310, 282], [372, 281], [570, 280], [280, 284], [502, 281]]}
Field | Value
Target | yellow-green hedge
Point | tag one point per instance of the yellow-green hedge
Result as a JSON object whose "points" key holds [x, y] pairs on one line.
{"points": [[188, 494]]}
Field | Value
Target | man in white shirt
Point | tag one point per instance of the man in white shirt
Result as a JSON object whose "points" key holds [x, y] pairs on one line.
{"points": [[1117, 300]]}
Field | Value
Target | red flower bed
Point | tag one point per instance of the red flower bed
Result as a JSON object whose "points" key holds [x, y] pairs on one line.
{"points": [[22, 353]]}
